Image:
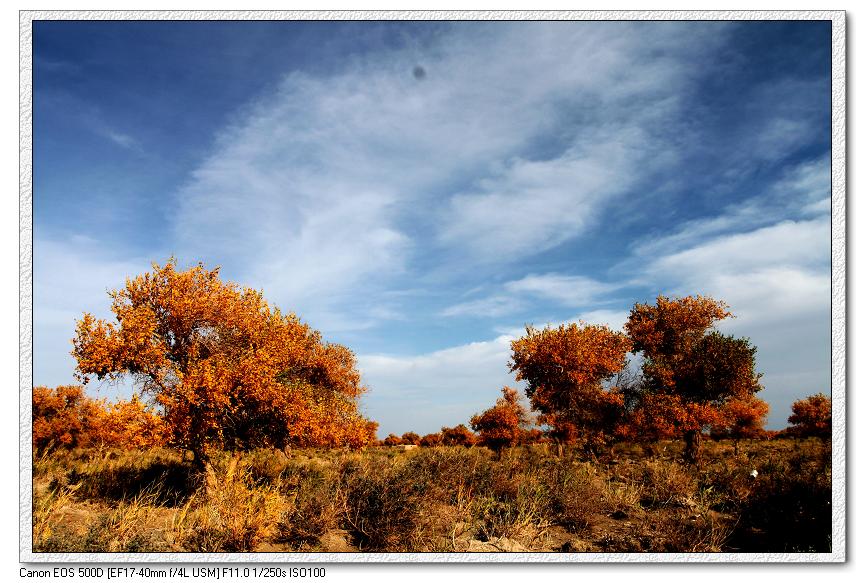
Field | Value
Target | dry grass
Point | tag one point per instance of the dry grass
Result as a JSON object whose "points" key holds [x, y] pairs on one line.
{"points": [[635, 498], [48, 511], [229, 512], [124, 529]]}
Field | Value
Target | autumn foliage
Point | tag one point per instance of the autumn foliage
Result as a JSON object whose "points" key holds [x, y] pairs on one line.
{"points": [[62, 417], [410, 438], [392, 439], [690, 372], [459, 435], [225, 369], [431, 440], [812, 417], [67, 417], [741, 419], [565, 369], [502, 424]]}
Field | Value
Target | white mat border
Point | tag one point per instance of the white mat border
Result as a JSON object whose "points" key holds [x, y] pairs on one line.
{"points": [[839, 274]]}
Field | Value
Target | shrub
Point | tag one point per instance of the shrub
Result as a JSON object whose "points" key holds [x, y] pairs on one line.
{"points": [[229, 513], [395, 505], [392, 440], [410, 438], [576, 495], [64, 417], [459, 435], [317, 507], [666, 483], [123, 475], [431, 440]]}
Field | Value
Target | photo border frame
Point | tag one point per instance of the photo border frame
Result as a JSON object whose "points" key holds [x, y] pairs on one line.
{"points": [[838, 286]]}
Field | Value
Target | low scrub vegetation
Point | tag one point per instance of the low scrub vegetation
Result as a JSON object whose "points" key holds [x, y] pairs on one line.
{"points": [[632, 498]]}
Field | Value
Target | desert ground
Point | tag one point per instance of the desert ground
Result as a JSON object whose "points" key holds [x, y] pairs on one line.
{"points": [[764, 495]]}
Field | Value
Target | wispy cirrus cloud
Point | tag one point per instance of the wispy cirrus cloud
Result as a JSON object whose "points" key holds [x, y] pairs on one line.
{"points": [[802, 191], [518, 295], [568, 290], [119, 138], [488, 307], [337, 185]]}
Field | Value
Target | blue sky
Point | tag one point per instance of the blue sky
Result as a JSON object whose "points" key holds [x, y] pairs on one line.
{"points": [[419, 191]]}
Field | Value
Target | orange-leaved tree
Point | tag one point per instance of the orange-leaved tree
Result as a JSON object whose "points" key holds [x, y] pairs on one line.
{"points": [[64, 417], [812, 417], [131, 424], [741, 418], [565, 369], [224, 368], [410, 438], [392, 439], [67, 417], [459, 435], [502, 424], [690, 371], [431, 440]]}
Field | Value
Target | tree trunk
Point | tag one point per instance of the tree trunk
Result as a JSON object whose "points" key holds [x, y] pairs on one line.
{"points": [[560, 449], [200, 458], [693, 447]]}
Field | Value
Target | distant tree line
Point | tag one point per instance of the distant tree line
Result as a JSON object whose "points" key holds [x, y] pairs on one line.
{"points": [[693, 379], [219, 368]]}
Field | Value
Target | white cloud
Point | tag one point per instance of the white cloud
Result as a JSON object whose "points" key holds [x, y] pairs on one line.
{"points": [[613, 319], [70, 278], [565, 290], [568, 290], [410, 393], [533, 206], [776, 280], [328, 189], [780, 136], [119, 138], [490, 307], [620, 108], [809, 181], [789, 243]]}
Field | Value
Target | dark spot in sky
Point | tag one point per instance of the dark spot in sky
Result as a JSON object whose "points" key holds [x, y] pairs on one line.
{"points": [[419, 72]]}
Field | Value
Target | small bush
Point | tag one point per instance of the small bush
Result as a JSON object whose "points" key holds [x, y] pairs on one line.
{"points": [[576, 495], [266, 466], [48, 508], [229, 513], [316, 508], [396, 504], [685, 532], [666, 483]]}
